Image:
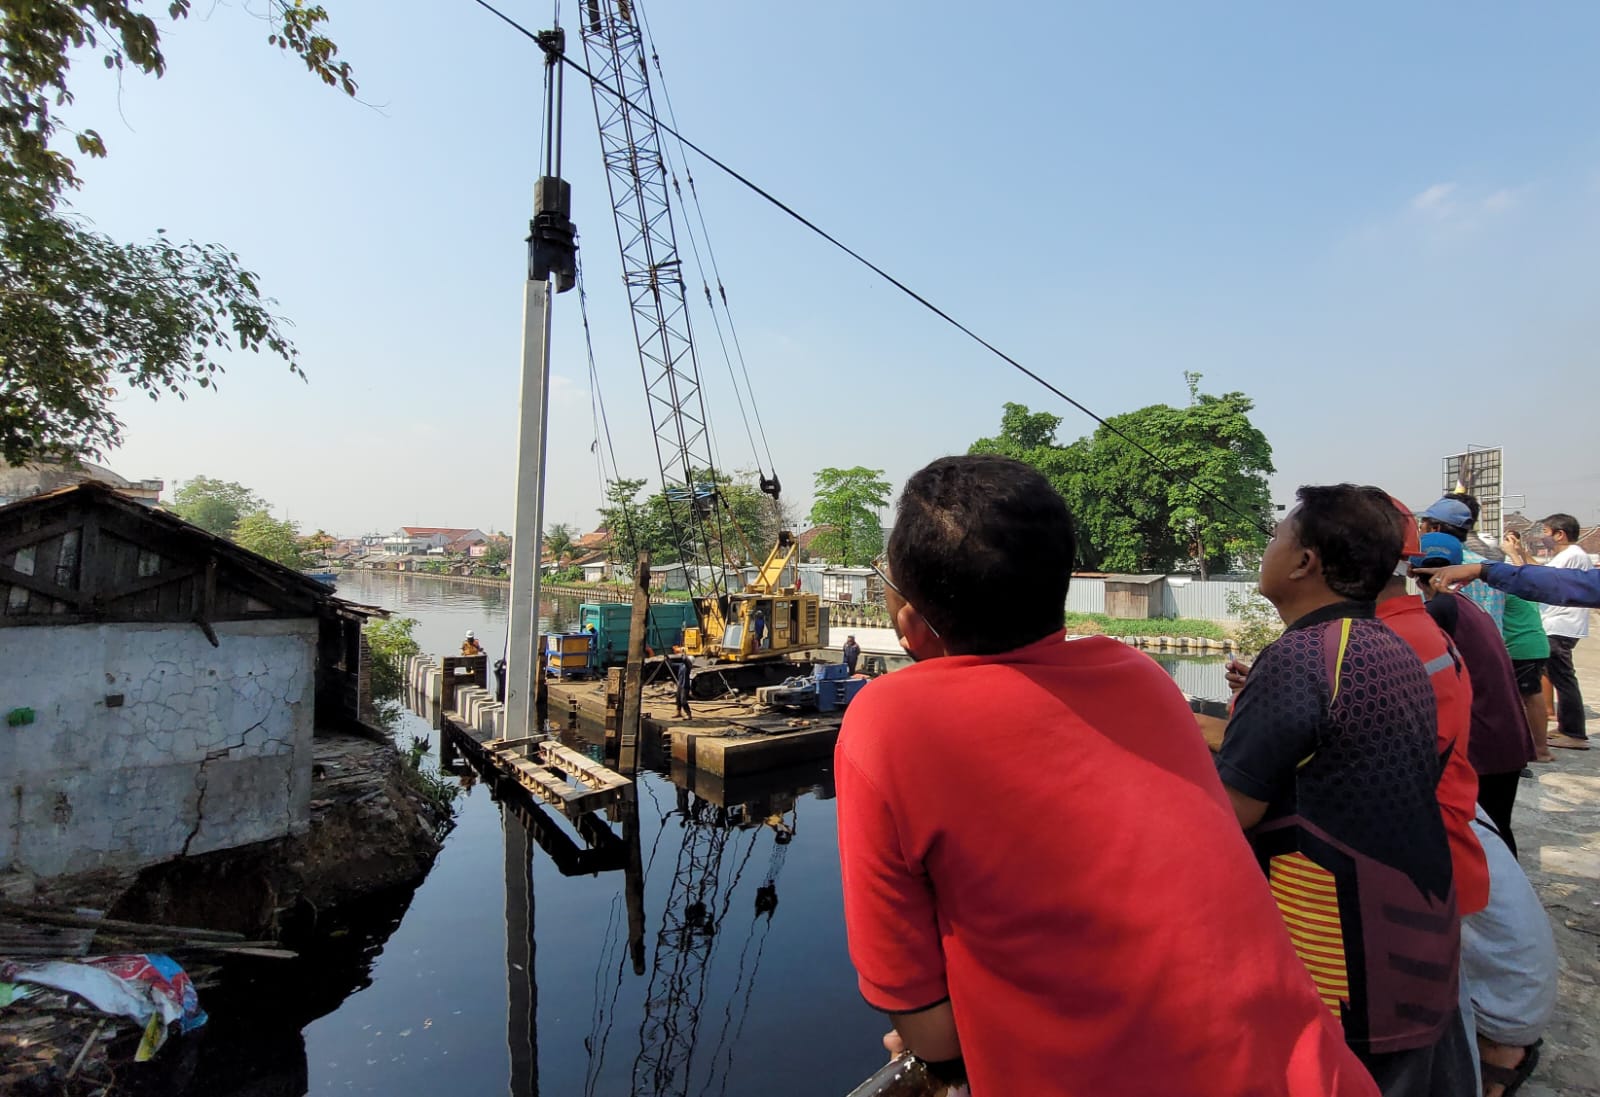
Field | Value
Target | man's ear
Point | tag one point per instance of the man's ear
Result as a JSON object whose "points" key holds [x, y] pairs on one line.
{"points": [[916, 637], [1310, 565]]}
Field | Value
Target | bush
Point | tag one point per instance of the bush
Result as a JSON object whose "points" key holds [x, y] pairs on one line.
{"points": [[390, 641], [1259, 623], [1092, 624]]}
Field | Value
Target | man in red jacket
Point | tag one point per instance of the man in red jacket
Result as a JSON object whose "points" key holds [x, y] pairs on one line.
{"points": [[1042, 873]]}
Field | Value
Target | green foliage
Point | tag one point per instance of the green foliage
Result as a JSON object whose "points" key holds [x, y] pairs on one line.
{"points": [[495, 554], [1132, 513], [216, 506], [558, 540], [732, 513], [1259, 623], [265, 535], [1092, 624], [440, 791], [83, 318], [847, 505], [390, 642], [567, 575]]}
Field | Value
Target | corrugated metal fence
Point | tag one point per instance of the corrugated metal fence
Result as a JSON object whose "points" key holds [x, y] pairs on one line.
{"points": [[1207, 601], [1177, 596]]}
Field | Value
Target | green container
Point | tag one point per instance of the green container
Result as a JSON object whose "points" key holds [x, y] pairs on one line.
{"points": [[611, 619]]}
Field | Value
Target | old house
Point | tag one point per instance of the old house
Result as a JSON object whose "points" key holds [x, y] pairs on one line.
{"points": [[162, 685]]}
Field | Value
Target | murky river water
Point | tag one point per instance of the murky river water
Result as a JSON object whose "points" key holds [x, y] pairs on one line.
{"points": [[506, 976], [705, 959]]}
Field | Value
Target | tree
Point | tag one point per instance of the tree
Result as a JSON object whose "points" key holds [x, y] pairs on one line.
{"points": [[726, 514], [1203, 502], [847, 505], [496, 552], [390, 641], [84, 318], [558, 540], [216, 506], [265, 536]]}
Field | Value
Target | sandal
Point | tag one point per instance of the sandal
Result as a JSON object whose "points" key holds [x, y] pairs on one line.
{"points": [[1512, 1077]]}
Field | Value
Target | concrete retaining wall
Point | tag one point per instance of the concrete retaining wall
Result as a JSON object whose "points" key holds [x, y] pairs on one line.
{"points": [[148, 743]]}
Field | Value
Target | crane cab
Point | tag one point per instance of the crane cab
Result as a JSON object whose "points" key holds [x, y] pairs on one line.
{"points": [[740, 628]]}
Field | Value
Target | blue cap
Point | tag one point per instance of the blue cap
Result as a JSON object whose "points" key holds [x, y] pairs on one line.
{"points": [[1438, 546], [1452, 512]]}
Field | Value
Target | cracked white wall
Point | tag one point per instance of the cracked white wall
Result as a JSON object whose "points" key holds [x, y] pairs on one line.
{"points": [[209, 748]]}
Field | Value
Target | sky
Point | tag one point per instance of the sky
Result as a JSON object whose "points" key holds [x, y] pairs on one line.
{"points": [[1380, 222]]}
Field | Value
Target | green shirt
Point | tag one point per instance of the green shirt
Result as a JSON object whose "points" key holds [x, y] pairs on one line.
{"points": [[1524, 630]]}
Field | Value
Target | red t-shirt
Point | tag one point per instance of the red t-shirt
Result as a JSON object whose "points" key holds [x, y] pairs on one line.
{"points": [[1408, 617], [1040, 837]]}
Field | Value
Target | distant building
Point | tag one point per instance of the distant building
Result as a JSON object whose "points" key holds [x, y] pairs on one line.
{"points": [[19, 482], [421, 540]]}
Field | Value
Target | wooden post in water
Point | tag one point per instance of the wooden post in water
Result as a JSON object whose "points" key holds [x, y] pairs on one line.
{"points": [[633, 676]]}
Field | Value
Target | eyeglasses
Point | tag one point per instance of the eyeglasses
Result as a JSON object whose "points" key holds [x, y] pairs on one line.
{"points": [[888, 582]]}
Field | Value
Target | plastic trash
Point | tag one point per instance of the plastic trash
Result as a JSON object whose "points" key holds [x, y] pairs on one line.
{"points": [[150, 989]]}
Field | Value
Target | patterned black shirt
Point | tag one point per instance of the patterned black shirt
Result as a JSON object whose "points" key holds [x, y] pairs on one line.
{"points": [[1335, 732]]}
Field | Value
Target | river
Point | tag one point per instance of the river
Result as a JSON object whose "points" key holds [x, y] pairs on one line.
{"points": [[732, 1000]]}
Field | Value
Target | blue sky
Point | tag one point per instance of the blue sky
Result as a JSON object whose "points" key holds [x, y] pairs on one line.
{"points": [[1380, 222]]}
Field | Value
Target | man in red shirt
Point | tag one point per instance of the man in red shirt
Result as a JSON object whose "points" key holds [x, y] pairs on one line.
{"points": [[1042, 873], [1408, 617]]}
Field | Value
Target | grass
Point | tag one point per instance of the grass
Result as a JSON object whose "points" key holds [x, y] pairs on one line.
{"points": [[1090, 624]]}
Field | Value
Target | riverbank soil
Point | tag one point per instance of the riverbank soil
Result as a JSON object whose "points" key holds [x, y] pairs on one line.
{"points": [[1557, 823]]}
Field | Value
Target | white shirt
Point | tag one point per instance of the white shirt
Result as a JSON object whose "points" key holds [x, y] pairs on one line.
{"points": [[1570, 621]]}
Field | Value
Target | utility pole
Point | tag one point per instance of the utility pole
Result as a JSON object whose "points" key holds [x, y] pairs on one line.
{"points": [[552, 256]]}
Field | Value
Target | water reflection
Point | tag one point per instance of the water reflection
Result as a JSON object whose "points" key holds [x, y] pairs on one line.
{"points": [[724, 846], [253, 1045]]}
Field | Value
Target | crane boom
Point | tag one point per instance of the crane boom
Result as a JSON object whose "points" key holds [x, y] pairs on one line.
{"points": [[636, 176], [747, 637]]}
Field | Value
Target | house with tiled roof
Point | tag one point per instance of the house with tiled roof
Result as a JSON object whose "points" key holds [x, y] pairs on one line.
{"points": [[425, 539]]}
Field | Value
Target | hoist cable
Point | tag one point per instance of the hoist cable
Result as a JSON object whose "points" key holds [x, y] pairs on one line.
{"points": [[818, 230], [628, 531]]}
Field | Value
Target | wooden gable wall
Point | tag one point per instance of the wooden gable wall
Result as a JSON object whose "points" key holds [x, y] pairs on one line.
{"points": [[82, 557]]}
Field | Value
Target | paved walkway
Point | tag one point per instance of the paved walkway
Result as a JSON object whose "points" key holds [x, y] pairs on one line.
{"points": [[1557, 822]]}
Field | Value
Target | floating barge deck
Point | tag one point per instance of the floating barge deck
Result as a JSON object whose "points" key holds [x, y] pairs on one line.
{"points": [[728, 737]]}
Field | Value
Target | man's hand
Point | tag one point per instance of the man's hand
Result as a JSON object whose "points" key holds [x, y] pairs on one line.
{"points": [[1447, 578], [1511, 545], [929, 1034], [1236, 671]]}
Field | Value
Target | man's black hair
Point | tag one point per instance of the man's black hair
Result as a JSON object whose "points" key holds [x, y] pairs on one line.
{"points": [[983, 548], [1563, 523], [1356, 533]]}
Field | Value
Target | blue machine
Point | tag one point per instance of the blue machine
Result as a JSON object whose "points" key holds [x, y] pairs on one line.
{"points": [[828, 687]]}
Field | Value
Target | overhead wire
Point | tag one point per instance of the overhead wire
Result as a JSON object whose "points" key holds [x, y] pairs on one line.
{"points": [[920, 299]]}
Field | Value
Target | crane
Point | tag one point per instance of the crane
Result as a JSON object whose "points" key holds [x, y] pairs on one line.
{"points": [[749, 637]]}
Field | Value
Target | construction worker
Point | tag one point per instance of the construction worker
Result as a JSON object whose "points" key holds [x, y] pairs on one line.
{"points": [[470, 645]]}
